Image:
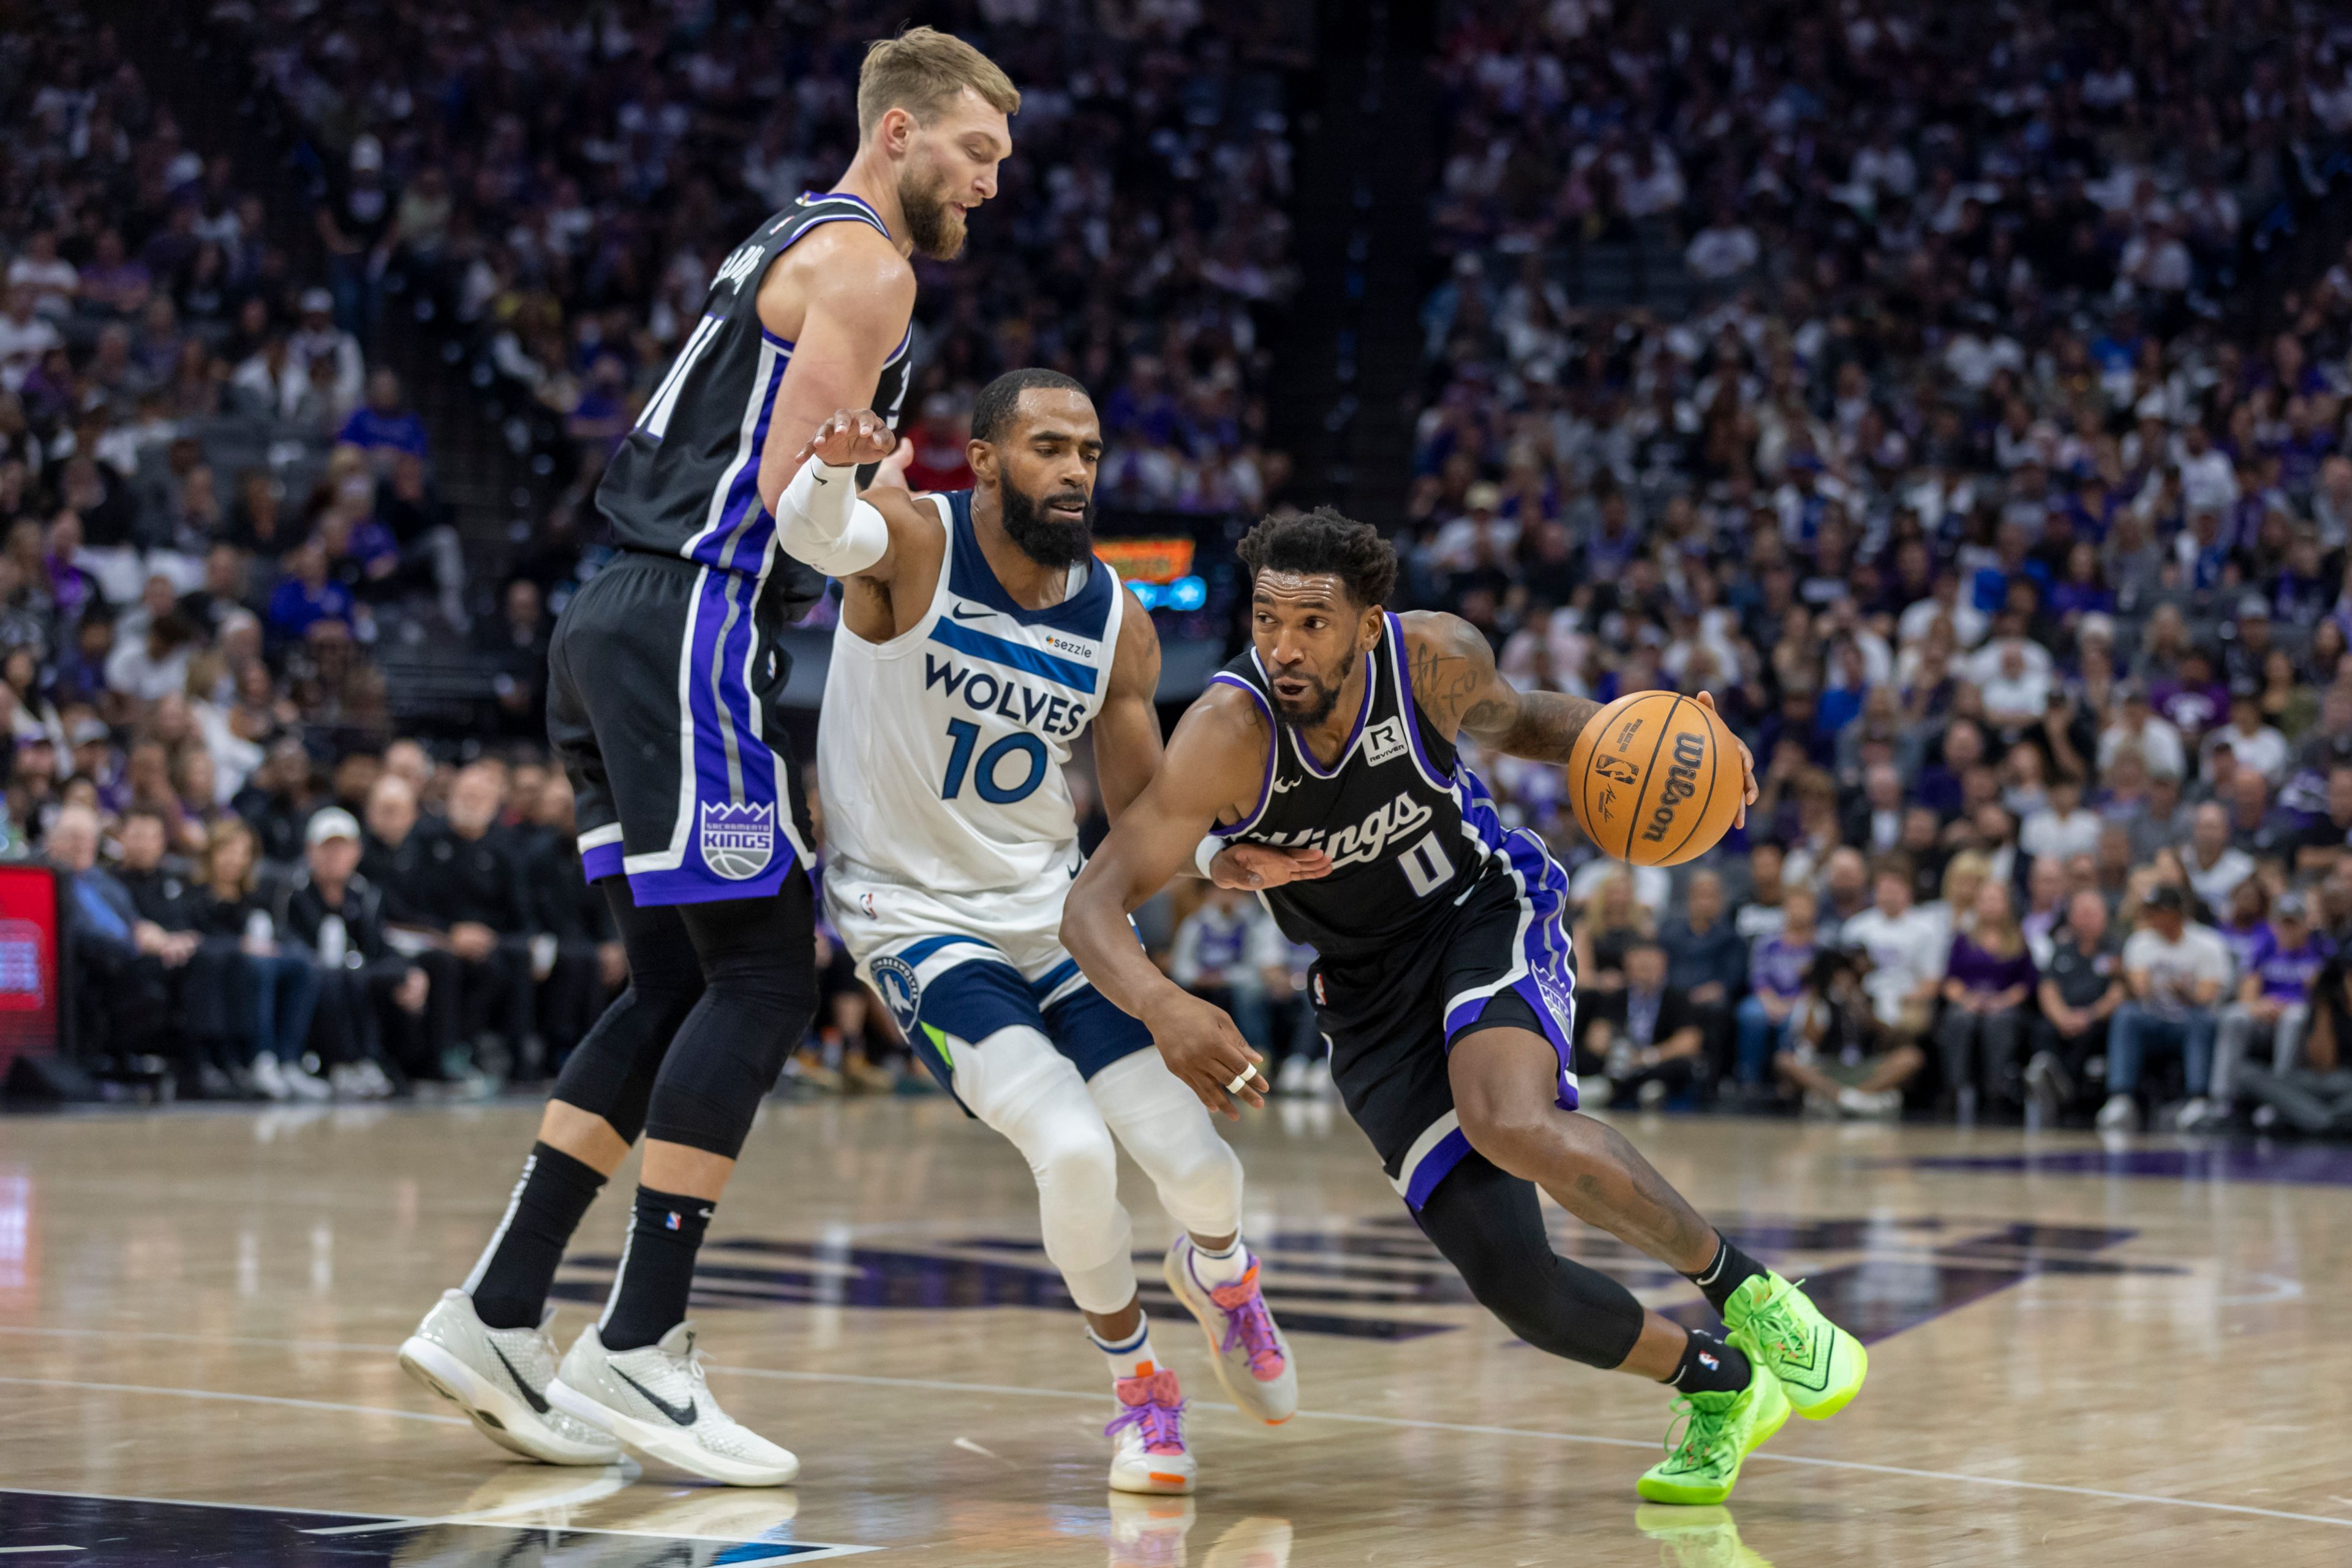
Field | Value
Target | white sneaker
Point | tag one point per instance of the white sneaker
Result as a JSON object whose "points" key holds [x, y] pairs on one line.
{"points": [[269, 1077], [654, 1399], [1148, 1532], [305, 1084], [2119, 1114], [1296, 1076], [373, 1084], [1319, 1082], [2200, 1114], [1147, 1452], [1253, 1358], [499, 1377]]}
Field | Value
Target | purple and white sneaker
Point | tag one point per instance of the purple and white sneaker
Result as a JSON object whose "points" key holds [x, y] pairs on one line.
{"points": [[1253, 1358], [1147, 1452]]}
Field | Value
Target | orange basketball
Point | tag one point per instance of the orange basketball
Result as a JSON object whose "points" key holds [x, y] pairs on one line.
{"points": [[1655, 778]]}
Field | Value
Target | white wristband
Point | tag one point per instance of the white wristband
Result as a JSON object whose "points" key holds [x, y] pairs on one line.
{"points": [[1205, 852], [820, 520]]}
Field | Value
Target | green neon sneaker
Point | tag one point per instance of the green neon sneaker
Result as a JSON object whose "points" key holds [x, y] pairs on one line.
{"points": [[1697, 1537], [1818, 1364], [1720, 1431]]}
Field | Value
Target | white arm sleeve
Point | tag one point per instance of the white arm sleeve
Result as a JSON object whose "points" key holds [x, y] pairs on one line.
{"points": [[820, 520]]}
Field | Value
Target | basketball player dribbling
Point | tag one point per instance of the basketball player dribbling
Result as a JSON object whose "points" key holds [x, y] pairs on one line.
{"points": [[664, 670], [980, 635], [1445, 982]]}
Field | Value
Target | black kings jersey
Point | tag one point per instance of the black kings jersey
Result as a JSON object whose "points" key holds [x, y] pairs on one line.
{"points": [[1410, 831], [686, 480]]}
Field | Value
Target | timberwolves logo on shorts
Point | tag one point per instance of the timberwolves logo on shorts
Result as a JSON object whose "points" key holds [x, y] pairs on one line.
{"points": [[895, 978], [737, 841]]}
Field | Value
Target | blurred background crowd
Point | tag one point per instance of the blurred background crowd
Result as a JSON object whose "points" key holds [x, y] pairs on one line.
{"points": [[1957, 396]]}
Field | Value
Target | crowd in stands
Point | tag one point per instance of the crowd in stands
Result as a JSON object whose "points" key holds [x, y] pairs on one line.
{"points": [[565, 182], [210, 509], [2004, 520]]}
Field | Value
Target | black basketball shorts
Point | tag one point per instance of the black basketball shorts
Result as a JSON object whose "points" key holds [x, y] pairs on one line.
{"points": [[1503, 960], [662, 702]]}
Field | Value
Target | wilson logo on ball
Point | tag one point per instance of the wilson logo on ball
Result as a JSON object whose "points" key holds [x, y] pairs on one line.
{"points": [[1681, 783]]}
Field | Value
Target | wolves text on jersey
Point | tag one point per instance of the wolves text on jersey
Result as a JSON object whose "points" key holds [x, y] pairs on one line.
{"points": [[1365, 841], [988, 691]]}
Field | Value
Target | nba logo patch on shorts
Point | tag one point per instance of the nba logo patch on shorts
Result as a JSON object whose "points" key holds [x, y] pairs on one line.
{"points": [[895, 978], [737, 841]]}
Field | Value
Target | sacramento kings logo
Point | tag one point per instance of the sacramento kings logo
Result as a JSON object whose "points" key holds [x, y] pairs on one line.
{"points": [[895, 978], [737, 841]]}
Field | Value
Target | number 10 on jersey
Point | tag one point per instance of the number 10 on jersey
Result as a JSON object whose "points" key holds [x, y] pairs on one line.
{"points": [[964, 735]]}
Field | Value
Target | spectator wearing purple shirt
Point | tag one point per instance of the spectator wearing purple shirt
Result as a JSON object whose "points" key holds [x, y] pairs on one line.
{"points": [[1987, 980], [2274, 1005], [381, 426], [305, 596], [1776, 979]]}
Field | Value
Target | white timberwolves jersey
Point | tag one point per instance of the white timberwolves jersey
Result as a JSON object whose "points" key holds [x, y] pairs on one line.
{"points": [[939, 753]]}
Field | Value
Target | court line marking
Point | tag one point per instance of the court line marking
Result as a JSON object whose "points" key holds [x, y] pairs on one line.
{"points": [[798, 1551], [235, 1398], [943, 1385], [20, 1551], [1960, 1476]]}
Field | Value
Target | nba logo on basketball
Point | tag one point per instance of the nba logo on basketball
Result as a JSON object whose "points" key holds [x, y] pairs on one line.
{"points": [[737, 841]]}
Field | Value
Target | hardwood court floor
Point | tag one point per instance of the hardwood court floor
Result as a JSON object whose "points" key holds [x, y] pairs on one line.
{"points": [[2077, 1356]]}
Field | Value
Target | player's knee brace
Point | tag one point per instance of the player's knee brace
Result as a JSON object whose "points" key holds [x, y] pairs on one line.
{"points": [[759, 974], [1168, 1130], [611, 1072], [1490, 1227], [1016, 1082]]}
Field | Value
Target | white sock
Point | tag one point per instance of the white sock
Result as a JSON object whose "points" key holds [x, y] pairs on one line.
{"points": [[1132, 1357], [1215, 1268]]}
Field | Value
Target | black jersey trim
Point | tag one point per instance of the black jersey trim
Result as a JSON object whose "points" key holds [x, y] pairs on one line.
{"points": [[1273, 729], [1412, 710]]}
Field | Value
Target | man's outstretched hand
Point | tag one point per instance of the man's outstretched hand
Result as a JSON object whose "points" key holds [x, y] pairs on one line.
{"points": [[850, 438]]}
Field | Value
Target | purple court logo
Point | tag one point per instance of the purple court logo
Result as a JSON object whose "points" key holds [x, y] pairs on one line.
{"points": [[737, 841]]}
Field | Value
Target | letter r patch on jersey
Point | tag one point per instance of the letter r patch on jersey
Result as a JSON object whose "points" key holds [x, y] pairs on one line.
{"points": [[1385, 739]]}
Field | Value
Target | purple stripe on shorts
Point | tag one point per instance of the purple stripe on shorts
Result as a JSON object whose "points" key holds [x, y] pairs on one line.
{"points": [[691, 884], [602, 861], [1434, 1167]]}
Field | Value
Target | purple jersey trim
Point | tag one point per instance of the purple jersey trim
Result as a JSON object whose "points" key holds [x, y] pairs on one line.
{"points": [[1274, 731]]}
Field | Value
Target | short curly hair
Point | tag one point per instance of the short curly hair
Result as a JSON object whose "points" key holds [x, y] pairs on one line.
{"points": [[1325, 542]]}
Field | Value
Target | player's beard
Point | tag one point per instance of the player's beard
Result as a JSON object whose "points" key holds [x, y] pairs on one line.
{"points": [[1042, 539], [932, 222], [1317, 707]]}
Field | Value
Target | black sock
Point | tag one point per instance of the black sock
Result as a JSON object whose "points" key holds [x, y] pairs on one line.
{"points": [[1730, 1270], [657, 1269], [1711, 1366], [549, 1202]]}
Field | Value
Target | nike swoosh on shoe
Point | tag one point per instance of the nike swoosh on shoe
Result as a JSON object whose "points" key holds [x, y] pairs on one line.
{"points": [[658, 1402], [531, 1396]]}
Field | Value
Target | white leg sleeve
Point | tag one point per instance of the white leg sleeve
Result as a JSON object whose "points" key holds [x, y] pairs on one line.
{"points": [[1019, 1084], [1164, 1125]]}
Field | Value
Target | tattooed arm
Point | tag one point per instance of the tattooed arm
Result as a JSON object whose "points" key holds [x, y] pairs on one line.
{"points": [[1458, 690]]}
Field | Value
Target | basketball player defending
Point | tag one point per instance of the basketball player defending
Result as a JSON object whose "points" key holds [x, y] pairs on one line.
{"points": [[1445, 982], [664, 670], [979, 636]]}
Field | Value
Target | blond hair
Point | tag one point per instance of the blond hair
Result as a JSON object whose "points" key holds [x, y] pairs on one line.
{"points": [[922, 70]]}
